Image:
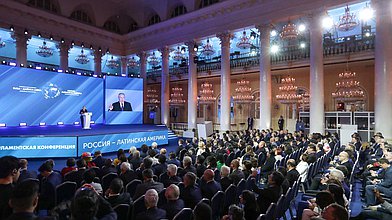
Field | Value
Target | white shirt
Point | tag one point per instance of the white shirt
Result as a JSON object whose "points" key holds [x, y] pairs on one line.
{"points": [[302, 169]]}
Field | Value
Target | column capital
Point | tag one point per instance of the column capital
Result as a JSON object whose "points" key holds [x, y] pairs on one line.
{"points": [[142, 55], [225, 37], [63, 46], [124, 59], [264, 26], [98, 53], [164, 50]]}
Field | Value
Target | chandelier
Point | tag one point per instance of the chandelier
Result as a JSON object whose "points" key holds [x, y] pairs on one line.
{"points": [[2, 43], [132, 62], [112, 63], [243, 92], [289, 31], [44, 51], [206, 93], [305, 100], [288, 92], [347, 21], [348, 89], [208, 50], [152, 96], [177, 96], [82, 58], [178, 55], [153, 60], [244, 42]]}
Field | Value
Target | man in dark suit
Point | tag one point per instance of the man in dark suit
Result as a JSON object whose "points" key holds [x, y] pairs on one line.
{"points": [[127, 174], [292, 173], [170, 177], [236, 175], [174, 204], [191, 194], [384, 185], [173, 159], [188, 167], [121, 105], [209, 186], [153, 212], [180, 147], [48, 185], [114, 195], [161, 167], [148, 183], [225, 180], [98, 160], [24, 173], [250, 123]]}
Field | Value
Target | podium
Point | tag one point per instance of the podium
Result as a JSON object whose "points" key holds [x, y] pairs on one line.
{"points": [[86, 120]]}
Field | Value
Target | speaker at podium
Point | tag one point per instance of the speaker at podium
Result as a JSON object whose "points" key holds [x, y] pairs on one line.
{"points": [[86, 120]]}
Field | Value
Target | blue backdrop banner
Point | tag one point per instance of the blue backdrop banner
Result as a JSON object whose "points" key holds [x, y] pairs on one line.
{"points": [[113, 142], [38, 147]]}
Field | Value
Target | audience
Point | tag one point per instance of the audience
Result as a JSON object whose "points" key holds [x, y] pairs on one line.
{"points": [[148, 183], [9, 174], [71, 162], [174, 204], [249, 203], [190, 193], [208, 185], [114, 194], [50, 180], [151, 202]]}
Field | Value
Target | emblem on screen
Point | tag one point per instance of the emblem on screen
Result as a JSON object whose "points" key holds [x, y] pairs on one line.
{"points": [[51, 91]]}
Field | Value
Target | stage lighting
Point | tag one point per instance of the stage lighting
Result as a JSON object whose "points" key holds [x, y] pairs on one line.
{"points": [[195, 48], [124, 75], [274, 33], [12, 28], [82, 45], [62, 40], [60, 123], [12, 64], [3, 125], [38, 68], [91, 47], [51, 37], [92, 122], [22, 124], [26, 32], [39, 34], [274, 48], [59, 71], [42, 124], [99, 49], [76, 123], [108, 51], [3, 62], [95, 76], [73, 43], [78, 73], [21, 65]]}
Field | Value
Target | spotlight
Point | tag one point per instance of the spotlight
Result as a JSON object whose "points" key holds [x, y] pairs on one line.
{"points": [[99, 49], [39, 34], [195, 48], [367, 34], [12, 28], [22, 124], [302, 45], [3, 125], [38, 68], [12, 64], [60, 123], [42, 124], [301, 28], [21, 65], [92, 122], [91, 47], [82, 45], [366, 13], [26, 32], [107, 51], [51, 37], [274, 33], [73, 43], [327, 22], [59, 71], [76, 123], [274, 48], [62, 40]]}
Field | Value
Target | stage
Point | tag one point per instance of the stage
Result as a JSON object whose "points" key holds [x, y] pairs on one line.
{"points": [[72, 140]]}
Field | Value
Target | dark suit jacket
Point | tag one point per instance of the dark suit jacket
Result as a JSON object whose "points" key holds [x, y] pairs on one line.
{"points": [[236, 176], [186, 170], [124, 198], [173, 207], [135, 162], [99, 161], [159, 169], [167, 181], [209, 189], [128, 176], [127, 106], [48, 188], [152, 214], [25, 174], [175, 162], [266, 196], [75, 176], [292, 176], [191, 196], [225, 183], [142, 188]]}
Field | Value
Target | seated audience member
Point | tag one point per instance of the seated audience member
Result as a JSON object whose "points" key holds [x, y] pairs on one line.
{"points": [[311, 152], [88, 205], [248, 200], [188, 167], [174, 204], [384, 185], [153, 212], [344, 160], [292, 173], [127, 174], [135, 160], [338, 194], [200, 167], [335, 212], [24, 173], [383, 211], [269, 194], [180, 147], [147, 164], [151, 154], [191, 194], [89, 177], [236, 174], [131, 151], [114, 195], [209, 186], [268, 167], [148, 183], [247, 168], [143, 151], [49, 182], [225, 180], [154, 147], [24, 200], [109, 167], [117, 161], [322, 200], [86, 156], [202, 212], [77, 176], [303, 167], [70, 166], [173, 159], [98, 160], [285, 184], [161, 167], [235, 213], [171, 176], [9, 175]]}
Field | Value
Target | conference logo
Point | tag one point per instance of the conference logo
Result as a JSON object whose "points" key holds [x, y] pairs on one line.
{"points": [[51, 91]]}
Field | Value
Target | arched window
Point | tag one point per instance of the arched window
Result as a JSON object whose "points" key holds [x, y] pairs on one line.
{"points": [[47, 5], [154, 19], [133, 27], [112, 26], [82, 16], [205, 3], [179, 10]]}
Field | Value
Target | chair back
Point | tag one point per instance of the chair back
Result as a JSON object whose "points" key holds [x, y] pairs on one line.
{"points": [[122, 211], [230, 195], [279, 207], [184, 214], [107, 179], [162, 198], [131, 186], [217, 203], [241, 186], [138, 206], [269, 214], [65, 191]]}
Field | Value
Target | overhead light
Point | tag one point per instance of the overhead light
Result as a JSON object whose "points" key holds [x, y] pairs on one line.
{"points": [[12, 28], [99, 49], [22, 124], [367, 34], [182, 50], [301, 28], [42, 124], [108, 51], [274, 33], [366, 13], [327, 22], [3, 125], [73, 43], [195, 48], [302, 45], [82, 45], [39, 34], [22, 65], [60, 123], [38, 68], [51, 37], [12, 64], [274, 48], [252, 35], [26, 32], [76, 123], [91, 47], [62, 40]]}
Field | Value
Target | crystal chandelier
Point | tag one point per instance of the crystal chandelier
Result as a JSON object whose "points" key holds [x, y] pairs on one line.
{"points": [[348, 90], [243, 92], [178, 55], [177, 96], [44, 51], [153, 60], [244, 42], [289, 31], [288, 92], [82, 58], [207, 93], [152, 96], [2, 43], [347, 21], [305, 100], [132, 62], [112, 63], [208, 50]]}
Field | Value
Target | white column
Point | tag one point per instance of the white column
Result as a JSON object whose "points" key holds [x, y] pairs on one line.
{"points": [[165, 91], [225, 81], [192, 87], [98, 62], [316, 75], [383, 68], [143, 74], [21, 47], [124, 65], [265, 77], [64, 51]]}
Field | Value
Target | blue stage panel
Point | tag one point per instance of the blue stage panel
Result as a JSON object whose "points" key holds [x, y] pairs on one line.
{"points": [[36, 147], [113, 142]]}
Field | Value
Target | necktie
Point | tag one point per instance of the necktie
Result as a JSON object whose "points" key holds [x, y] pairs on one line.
{"points": [[122, 106]]}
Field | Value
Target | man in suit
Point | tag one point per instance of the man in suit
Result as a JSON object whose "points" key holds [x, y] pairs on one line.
{"points": [[250, 123], [148, 183], [98, 160], [77, 176], [190, 193], [48, 185], [127, 174], [170, 177], [209, 186], [153, 212], [24, 173], [188, 167], [236, 175], [161, 167], [292, 173], [225, 180], [281, 123], [174, 204], [384, 185], [114, 195], [121, 105]]}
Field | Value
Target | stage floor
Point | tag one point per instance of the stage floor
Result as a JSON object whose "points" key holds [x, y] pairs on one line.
{"points": [[76, 130]]}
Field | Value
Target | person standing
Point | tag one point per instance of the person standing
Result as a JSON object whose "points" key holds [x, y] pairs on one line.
{"points": [[250, 123], [81, 112], [281, 123]]}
